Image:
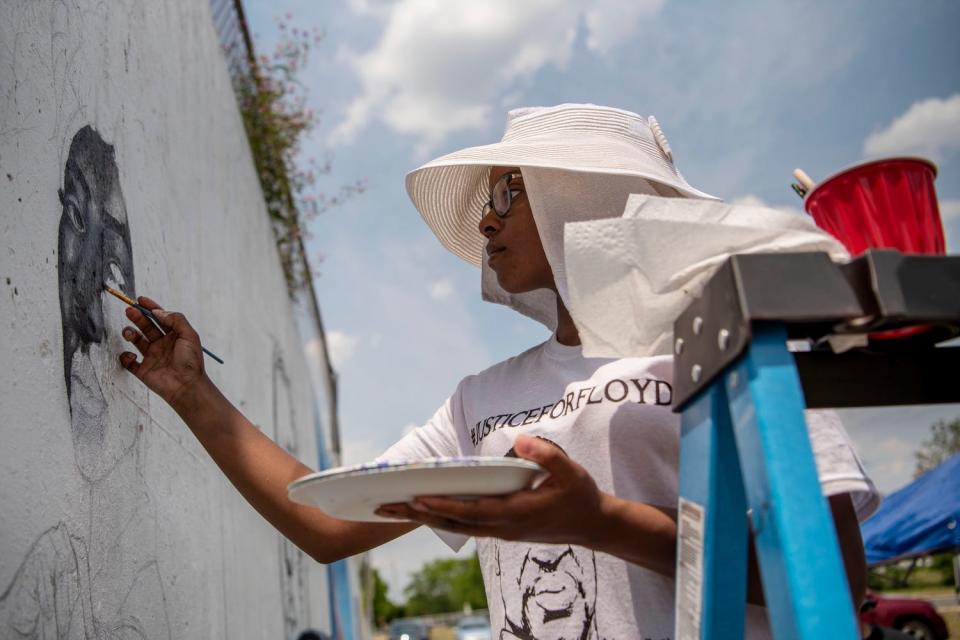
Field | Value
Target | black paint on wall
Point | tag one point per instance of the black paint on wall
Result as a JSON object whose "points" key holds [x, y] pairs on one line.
{"points": [[95, 574], [94, 242]]}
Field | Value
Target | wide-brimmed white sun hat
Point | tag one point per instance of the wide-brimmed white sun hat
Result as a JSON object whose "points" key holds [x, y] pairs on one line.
{"points": [[450, 191]]}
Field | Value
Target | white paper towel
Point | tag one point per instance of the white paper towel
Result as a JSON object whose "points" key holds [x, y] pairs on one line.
{"points": [[630, 277], [558, 197]]}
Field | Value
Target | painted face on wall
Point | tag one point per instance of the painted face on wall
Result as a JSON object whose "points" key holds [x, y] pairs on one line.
{"points": [[94, 249]]}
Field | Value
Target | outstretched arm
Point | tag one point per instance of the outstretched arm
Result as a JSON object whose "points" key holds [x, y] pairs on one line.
{"points": [[172, 367]]}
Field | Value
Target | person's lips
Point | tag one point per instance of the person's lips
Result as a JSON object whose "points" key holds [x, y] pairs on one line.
{"points": [[493, 251]]}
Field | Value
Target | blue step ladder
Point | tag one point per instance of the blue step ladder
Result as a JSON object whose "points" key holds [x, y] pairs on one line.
{"points": [[745, 456]]}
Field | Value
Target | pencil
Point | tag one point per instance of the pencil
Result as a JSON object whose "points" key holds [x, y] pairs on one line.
{"points": [[149, 315]]}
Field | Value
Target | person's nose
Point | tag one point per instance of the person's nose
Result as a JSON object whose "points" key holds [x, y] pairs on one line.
{"points": [[490, 223]]}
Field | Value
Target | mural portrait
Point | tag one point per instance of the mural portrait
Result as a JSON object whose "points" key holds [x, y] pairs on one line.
{"points": [[94, 249], [95, 575], [125, 164]]}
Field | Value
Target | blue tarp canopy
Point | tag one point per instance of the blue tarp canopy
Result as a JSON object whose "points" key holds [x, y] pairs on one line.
{"points": [[921, 518]]}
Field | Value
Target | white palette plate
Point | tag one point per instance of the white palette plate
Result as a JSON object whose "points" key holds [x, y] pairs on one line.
{"points": [[353, 493]]}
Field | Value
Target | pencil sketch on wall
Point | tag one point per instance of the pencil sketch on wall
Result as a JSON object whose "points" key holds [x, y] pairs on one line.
{"points": [[95, 573]]}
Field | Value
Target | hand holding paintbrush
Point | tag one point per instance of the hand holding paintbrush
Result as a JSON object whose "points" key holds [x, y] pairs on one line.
{"points": [[172, 363], [149, 315]]}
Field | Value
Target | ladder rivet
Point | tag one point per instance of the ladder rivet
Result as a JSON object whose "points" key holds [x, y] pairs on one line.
{"points": [[678, 346], [695, 373], [723, 339], [697, 325]]}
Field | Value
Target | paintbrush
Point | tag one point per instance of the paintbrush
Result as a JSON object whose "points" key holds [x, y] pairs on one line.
{"points": [[149, 316]]}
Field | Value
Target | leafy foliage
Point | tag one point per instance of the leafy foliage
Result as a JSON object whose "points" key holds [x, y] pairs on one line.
{"points": [[274, 107], [921, 573], [384, 609], [446, 585], [944, 442]]}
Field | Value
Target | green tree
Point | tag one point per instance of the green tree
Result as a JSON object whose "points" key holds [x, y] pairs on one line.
{"points": [[446, 585], [943, 443], [377, 606], [384, 609]]}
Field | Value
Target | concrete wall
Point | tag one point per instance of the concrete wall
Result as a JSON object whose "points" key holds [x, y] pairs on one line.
{"points": [[123, 159]]}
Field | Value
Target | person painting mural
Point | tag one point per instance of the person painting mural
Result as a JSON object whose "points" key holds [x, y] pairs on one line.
{"points": [[590, 553]]}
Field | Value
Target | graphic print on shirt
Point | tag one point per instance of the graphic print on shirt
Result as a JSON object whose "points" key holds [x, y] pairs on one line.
{"points": [[639, 390], [549, 592]]}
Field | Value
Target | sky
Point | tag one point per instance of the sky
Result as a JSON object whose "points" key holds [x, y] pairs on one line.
{"points": [[745, 92]]}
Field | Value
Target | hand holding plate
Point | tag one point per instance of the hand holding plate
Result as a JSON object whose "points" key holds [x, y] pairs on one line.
{"points": [[565, 508]]}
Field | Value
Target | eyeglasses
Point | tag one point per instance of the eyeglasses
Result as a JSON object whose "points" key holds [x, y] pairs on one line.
{"points": [[501, 196]]}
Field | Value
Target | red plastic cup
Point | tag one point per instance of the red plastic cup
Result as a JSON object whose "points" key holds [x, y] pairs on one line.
{"points": [[883, 204]]}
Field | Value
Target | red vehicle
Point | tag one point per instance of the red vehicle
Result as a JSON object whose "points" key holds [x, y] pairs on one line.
{"points": [[912, 616]]}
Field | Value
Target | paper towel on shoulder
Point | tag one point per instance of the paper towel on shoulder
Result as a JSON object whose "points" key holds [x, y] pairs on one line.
{"points": [[630, 277]]}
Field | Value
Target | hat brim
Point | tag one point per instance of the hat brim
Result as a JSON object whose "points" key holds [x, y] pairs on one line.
{"points": [[450, 192]]}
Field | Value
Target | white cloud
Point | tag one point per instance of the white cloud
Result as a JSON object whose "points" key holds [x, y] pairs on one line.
{"points": [[375, 8], [611, 22], [441, 289], [399, 559], [888, 462], [929, 128], [749, 200], [341, 346], [887, 437], [950, 210], [358, 450], [752, 200], [950, 214], [439, 66]]}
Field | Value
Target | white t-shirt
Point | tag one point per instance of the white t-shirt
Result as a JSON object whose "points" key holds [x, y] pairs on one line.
{"points": [[612, 417]]}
